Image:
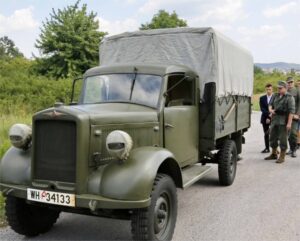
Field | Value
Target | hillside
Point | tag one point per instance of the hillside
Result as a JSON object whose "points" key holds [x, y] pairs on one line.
{"points": [[279, 66]]}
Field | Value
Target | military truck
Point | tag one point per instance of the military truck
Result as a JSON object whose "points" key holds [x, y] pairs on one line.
{"points": [[161, 106]]}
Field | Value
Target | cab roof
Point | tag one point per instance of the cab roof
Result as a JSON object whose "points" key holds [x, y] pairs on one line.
{"points": [[141, 69]]}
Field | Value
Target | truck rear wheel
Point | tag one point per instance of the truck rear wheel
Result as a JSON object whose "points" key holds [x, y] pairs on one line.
{"points": [[227, 158], [28, 219], [157, 222]]}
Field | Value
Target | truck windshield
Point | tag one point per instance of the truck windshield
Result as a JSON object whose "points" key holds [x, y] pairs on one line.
{"points": [[141, 89]]}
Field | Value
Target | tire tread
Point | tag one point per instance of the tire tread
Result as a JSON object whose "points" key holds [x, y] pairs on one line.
{"points": [[24, 221], [139, 217], [225, 177]]}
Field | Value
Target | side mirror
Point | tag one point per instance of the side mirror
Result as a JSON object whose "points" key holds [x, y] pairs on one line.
{"points": [[75, 91]]}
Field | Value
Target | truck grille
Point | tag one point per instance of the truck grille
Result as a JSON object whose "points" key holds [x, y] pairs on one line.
{"points": [[55, 150]]}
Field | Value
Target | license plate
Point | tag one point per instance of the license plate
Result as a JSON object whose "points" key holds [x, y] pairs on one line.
{"points": [[58, 198]]}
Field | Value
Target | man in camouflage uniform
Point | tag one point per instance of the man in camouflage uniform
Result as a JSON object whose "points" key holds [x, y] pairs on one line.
{"points": [[293, 134], [298, 86], [282, 108]]}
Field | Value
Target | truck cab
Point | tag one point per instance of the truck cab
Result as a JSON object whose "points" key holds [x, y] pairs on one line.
{"points": [[169, 93]]}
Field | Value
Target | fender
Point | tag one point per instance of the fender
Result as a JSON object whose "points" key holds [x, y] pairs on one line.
{"points": [[15, 166], [133, 179]]}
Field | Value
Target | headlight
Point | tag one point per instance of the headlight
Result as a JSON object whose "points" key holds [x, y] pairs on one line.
{"points": [[119, 144], [20, 136]]}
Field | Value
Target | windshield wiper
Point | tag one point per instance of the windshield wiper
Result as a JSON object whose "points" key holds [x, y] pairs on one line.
{"points": [[133, 82]]}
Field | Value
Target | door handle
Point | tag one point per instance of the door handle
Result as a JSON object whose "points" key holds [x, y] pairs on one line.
{"points": [[167, 125]]}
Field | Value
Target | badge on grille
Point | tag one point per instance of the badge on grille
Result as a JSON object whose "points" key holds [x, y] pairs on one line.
{"points": [[54, 113]]}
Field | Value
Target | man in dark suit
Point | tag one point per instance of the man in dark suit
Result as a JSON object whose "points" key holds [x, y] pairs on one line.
{"points": [[265, 119]]}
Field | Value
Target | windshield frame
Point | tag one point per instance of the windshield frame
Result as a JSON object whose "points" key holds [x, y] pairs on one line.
{"points": [[82, 95]]}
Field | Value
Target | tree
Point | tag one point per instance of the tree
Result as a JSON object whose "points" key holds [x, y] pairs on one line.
{"points": [[69, 42], [8, 48], [163, 19], [258, 70]]}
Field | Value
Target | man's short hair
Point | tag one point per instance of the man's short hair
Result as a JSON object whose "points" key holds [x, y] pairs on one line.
{"points": [[268, 85]]}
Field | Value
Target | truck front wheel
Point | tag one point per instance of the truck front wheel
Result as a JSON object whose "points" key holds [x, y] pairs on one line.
{"points": [[227, 158], [28, 219], [157, 222]]}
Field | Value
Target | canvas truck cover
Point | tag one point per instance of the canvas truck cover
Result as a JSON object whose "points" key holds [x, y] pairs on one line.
{"points": [[213, 56]]}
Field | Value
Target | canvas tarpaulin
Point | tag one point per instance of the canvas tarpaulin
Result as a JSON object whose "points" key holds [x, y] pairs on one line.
{"points": [[214, 57]]}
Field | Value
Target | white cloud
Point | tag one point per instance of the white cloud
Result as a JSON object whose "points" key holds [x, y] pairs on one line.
{"points": [[223, 27], [264, 30], [126, 2], [271, 35], [204, 10], [270, 43], [118, 26], [281, 10], [220, 14], [152, 6], [131, 1], [21, 19], [229, 11]]}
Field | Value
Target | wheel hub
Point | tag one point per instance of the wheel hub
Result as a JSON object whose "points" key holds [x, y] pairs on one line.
{"points": [[161, 216]]}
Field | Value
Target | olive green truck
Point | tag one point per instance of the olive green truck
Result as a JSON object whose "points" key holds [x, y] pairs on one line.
{"points": [[161, 106]]}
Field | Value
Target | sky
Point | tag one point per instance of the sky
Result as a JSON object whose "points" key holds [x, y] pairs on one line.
{"points": [[270, 29]]}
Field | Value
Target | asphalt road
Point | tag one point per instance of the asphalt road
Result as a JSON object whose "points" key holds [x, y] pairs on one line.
{"points": [[262, 204]]}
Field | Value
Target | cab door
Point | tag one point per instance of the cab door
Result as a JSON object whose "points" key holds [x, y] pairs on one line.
{"points": [[181, 119]]}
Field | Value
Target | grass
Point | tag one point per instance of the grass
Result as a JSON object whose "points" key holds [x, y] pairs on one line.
{"points": [[255, 102], [5, 123], [3, 222]]}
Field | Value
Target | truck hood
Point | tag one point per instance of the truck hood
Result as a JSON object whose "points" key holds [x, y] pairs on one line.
{"points": [[115, 113]]}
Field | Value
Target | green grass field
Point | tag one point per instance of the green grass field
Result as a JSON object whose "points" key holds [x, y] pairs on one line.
{"points": [[255, 102], [2, 215]]}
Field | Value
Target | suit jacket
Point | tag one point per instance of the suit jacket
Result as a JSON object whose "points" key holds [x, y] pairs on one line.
{"points": [[264, 107]]}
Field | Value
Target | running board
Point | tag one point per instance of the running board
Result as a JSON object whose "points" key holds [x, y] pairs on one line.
{"points": [[192, 174]]}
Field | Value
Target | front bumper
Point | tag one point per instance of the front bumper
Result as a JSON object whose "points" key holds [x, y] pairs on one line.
{"points": [[89, 201]]}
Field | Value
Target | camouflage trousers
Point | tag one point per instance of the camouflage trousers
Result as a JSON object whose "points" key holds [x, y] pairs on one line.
{"points": [[293, 136], [278, 133]]}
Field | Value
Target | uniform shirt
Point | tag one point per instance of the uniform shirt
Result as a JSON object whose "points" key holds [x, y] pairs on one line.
{"points": [[296, 94], [285, 103]]}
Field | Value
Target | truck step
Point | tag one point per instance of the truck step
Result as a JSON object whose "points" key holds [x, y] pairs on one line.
{"points": [[193, 173]]}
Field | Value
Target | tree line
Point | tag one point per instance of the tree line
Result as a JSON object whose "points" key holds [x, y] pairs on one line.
{"points": [[68, 44], [69, 40]]}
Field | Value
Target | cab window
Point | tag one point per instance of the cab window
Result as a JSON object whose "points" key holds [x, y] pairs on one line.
{"points": [[180, 91]]}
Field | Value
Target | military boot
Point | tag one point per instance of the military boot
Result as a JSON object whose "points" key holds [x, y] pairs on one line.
{"points": [[281, 158], [273, 155], [293, 150], [294, 154]]}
